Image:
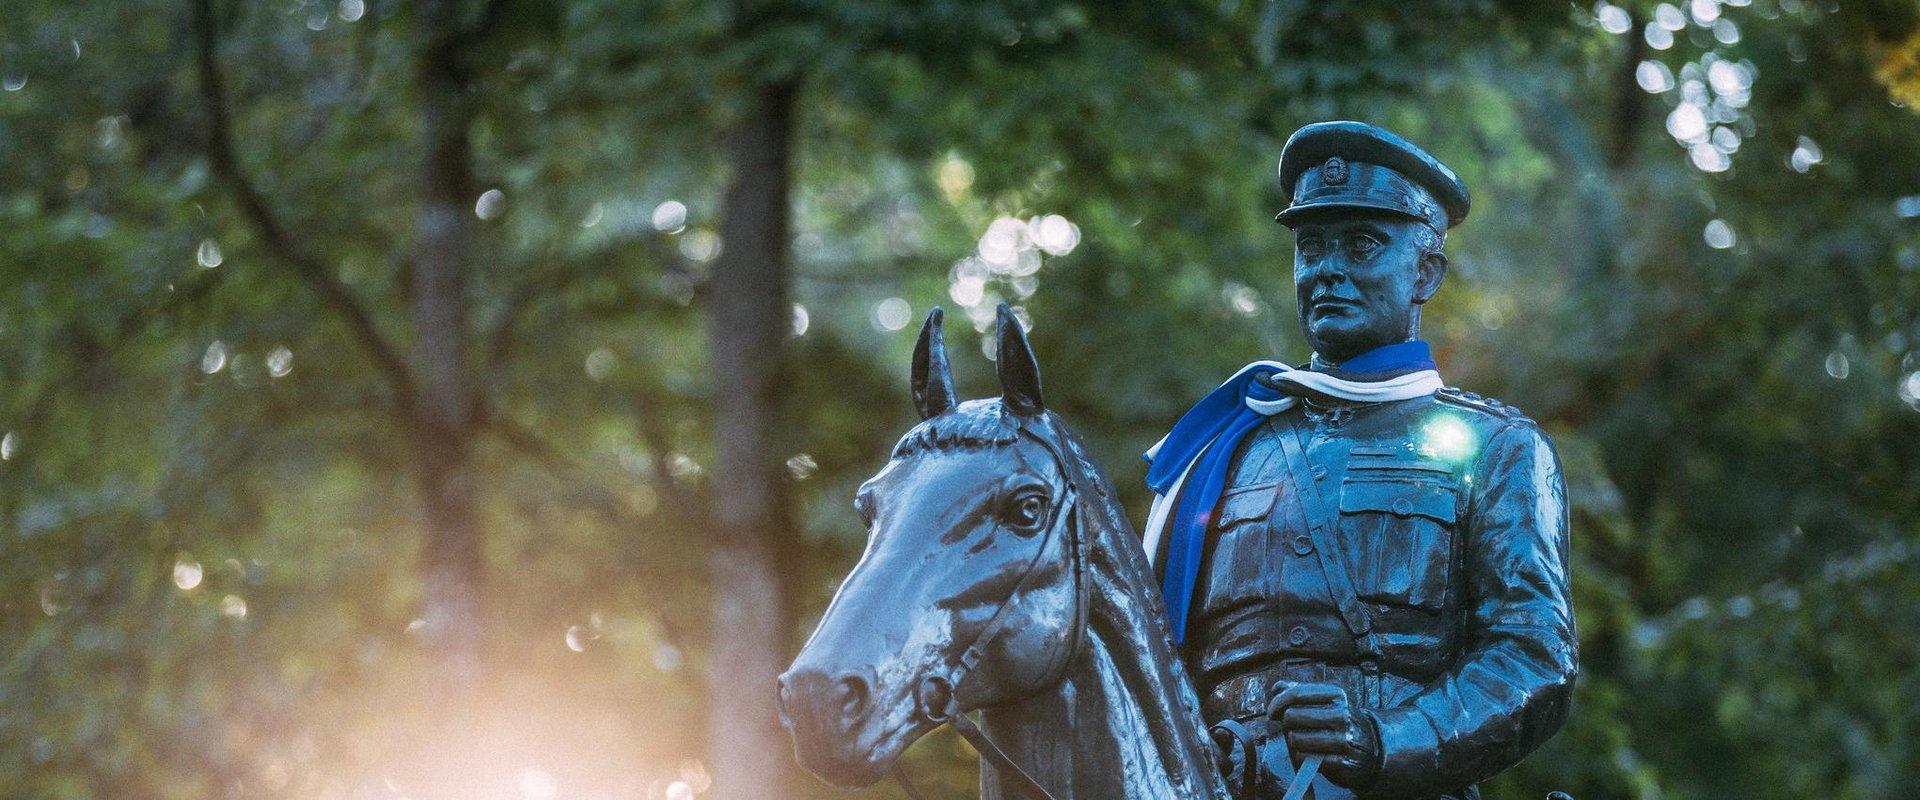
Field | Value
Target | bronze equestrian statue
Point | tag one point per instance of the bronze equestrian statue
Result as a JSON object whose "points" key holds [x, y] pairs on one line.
{"points": [[1363, 571]]}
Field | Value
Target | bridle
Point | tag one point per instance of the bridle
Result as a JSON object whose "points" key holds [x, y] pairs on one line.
{"points": [[935, 697]]}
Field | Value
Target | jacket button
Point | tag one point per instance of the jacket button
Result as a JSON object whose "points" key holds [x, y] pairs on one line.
{"points": [[1402, 506], [1319, 472], [1302, 545], [1297, 636]]}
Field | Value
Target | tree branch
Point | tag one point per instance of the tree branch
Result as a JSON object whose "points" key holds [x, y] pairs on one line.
{"points": [[253, 206]]}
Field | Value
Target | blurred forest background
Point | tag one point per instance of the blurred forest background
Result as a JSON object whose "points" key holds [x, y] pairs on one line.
{"points": [[465, 399]]}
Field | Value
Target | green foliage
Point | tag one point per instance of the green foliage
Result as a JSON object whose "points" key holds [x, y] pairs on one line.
{"points": [[208, 536]]}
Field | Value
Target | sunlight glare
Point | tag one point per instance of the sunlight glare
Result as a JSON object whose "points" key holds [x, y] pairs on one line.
{"points": [[536, 784], [1446, 437]]}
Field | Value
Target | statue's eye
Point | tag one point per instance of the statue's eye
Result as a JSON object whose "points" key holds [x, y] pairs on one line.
{"points": [[1311, 247], [1362, 245], [1026, 511]]}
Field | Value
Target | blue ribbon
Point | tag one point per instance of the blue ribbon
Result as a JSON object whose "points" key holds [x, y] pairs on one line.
{"points": [[1210, 432], [1393, 359]]}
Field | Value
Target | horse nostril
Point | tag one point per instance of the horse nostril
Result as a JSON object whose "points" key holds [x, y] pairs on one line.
{"points": [[782, 695], [851, 694]]}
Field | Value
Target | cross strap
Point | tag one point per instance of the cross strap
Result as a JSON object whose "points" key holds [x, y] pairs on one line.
{"points": [[1319, 515]]}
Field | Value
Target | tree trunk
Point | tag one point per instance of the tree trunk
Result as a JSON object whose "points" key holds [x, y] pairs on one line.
{"points": [[442, 417], [754, 521]]}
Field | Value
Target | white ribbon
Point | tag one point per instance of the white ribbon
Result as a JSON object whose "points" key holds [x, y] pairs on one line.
{"points": [[1402, 387]]}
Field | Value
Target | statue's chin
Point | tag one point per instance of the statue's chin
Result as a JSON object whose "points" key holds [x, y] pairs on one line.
{"points": [[1337, 343], [848, 775]]}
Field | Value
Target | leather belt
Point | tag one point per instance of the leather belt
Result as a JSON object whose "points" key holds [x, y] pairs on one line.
{"points": [[1246, 695]]}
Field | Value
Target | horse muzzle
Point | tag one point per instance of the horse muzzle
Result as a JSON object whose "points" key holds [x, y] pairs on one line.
{"points": [[832, 717]]}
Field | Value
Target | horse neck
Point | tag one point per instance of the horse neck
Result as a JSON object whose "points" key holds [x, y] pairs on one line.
{"points": [[1124, 721]]}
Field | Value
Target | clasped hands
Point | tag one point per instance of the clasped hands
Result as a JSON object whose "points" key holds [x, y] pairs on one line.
{"points": [[1319, 719]]}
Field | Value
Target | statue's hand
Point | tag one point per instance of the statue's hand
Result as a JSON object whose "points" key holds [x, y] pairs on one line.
{"points": [[1318, 719]]}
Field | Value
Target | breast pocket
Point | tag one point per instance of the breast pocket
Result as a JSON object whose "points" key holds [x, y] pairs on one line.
{"points": [[1238, 570], [1242, 504], [1400, 523]]}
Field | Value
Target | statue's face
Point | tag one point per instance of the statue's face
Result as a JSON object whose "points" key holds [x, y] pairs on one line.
{"points": [[1359, 278]]}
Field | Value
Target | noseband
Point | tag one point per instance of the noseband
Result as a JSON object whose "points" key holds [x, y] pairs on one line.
{"points": [[935, 697]]}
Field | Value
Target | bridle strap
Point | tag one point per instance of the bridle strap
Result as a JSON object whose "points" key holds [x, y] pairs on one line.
{"points": [[906, 784], [1024, 783], [1067, 516], [1027, 786]]}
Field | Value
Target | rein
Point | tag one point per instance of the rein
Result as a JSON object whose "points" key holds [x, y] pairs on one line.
{"points": [[936, 697]]}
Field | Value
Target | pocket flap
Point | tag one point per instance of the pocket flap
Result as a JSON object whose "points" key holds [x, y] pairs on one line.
{"points": [[1243, 503], [1404, 497]]}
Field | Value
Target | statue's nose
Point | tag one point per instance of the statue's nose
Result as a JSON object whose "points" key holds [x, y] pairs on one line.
{"points": [[824, 701]]}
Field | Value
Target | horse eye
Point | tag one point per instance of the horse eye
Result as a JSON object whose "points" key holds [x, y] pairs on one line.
{"points": [[1027, 511]]}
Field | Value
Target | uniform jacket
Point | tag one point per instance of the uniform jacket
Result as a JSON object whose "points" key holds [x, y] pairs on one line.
{"points": [[1450, 515]]}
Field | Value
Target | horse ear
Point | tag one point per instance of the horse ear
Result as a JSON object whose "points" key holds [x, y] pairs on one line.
{"points": [[932, 375], [1019, 372]]}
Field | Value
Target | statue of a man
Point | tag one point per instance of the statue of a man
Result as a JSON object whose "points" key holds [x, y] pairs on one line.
{"points": [[1359, 563]]}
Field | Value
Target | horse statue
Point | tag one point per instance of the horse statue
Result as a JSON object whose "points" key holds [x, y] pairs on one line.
{"points": [[1000, 576]]}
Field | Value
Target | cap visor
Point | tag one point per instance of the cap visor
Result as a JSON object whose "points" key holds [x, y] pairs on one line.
{"points": [[1297, 212]]}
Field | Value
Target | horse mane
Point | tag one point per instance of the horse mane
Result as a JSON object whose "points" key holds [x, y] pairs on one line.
{"points": [[1129, 614], [973, 424]]}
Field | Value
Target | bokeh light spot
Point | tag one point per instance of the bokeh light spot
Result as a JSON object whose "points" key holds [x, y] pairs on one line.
{"points": [[1612, 18], [215, 358], [892, 314], [208, 254], [1718, 234], [801, 320], [670, 217], [491, 203], [187, 574]]}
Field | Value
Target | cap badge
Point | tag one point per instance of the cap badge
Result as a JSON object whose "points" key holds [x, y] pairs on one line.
{"points": [[1334, 172]]}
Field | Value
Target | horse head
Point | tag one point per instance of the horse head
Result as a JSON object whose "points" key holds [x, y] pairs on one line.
{"points": [[971, 591]]}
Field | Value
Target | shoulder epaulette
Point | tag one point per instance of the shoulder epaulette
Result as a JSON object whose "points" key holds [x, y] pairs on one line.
{"points": [[1462, 397]]}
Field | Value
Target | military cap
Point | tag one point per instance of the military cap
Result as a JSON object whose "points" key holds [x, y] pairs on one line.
{"points": [[1356, 165]]}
